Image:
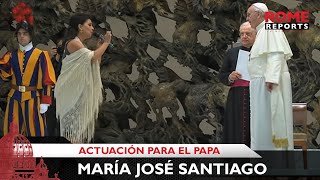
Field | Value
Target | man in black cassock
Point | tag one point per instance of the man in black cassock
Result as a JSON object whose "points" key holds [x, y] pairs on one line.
{"points": [[236, 124]]}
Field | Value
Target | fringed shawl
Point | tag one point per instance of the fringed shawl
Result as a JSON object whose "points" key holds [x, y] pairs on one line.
{"points": [[78, 94]]}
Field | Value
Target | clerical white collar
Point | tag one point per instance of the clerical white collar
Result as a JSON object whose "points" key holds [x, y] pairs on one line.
{"points": [[261, 25], [26, 48]]}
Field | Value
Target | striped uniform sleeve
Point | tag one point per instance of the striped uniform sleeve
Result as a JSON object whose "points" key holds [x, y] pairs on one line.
{"points": [[5, 67], [48, 77]]}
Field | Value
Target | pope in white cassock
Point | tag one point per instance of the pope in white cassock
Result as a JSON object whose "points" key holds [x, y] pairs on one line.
{"points": [[270, 87]]}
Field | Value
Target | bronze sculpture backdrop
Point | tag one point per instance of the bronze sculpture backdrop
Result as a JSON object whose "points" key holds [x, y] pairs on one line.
{"points": [[202, 97]]}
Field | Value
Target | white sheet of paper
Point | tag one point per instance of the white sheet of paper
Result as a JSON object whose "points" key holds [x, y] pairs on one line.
{"points": [[242, 64]]}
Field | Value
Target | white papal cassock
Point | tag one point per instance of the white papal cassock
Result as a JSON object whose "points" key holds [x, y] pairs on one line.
{"points": [[271, 113]]}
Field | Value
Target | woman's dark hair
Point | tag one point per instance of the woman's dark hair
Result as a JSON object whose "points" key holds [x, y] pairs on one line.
{"points": [[73, 30], [75, 21]]}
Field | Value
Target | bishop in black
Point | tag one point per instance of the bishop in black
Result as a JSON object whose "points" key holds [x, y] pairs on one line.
{"points": [[236, 123]]}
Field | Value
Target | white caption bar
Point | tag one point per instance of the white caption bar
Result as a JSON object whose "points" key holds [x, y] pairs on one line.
{"points": [[144, 150]]}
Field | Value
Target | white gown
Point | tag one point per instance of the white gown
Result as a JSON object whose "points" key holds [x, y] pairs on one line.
{"points": [[271, 113]]}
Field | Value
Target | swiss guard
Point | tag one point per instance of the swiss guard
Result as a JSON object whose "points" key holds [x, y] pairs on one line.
{"points": [[31, 74]]}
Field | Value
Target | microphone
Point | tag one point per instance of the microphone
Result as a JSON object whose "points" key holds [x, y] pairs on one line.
{"points": [[101, 37]]}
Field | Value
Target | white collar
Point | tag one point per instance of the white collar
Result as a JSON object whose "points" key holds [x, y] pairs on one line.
{"points": [[261, 25], [26, 48]]}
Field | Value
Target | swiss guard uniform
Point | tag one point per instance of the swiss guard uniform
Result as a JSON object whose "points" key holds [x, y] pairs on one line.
{"points": [[32, 75]]}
